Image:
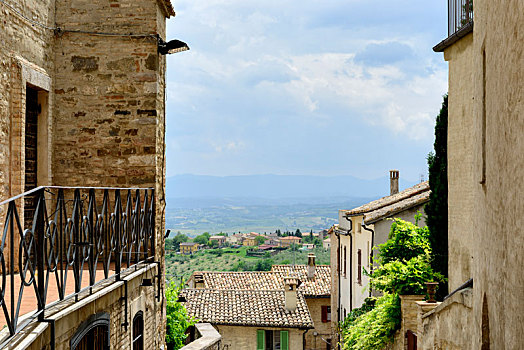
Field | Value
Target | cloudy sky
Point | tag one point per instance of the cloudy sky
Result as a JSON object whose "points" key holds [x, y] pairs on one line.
{"points": [[331, 87]]}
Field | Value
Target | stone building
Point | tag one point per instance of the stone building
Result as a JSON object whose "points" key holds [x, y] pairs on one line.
{"points": [[82, 86], [359, 230], [485, 174], [247, 308]]}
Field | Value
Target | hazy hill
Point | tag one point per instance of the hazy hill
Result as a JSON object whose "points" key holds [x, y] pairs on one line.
{"points": [[276, 186]]}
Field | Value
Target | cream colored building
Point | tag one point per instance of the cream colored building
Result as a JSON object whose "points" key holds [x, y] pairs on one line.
{"points": [[359, 230], [485, 54], [289, 241], [82, 86]]}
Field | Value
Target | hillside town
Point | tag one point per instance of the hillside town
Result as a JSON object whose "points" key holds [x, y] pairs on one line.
{"points": [[86, 259]]}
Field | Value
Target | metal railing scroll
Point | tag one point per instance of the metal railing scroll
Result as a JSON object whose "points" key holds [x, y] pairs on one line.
{"points": [[74, 232]]}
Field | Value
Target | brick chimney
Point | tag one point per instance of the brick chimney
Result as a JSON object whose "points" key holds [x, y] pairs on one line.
{"points": [[393, 181], [311, 266], [290, 293]]}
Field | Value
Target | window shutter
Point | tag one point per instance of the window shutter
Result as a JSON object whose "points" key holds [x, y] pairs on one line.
{"points": [[261, 339], [324, 314], [284, 340]]}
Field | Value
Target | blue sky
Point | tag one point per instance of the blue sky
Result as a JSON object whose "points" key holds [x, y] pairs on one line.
{"points": [[331, 87]]}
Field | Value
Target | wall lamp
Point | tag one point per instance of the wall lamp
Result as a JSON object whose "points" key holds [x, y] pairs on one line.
{"points": [[173, 46]]}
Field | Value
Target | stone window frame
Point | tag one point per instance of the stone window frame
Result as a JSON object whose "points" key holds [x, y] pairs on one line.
{"points": [[25, 73], [95, 320], [138, 315]]}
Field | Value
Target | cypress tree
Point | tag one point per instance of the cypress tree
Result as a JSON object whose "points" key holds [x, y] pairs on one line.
{"points": [[437, 208]]}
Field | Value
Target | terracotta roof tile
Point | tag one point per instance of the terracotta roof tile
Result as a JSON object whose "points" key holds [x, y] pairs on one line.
{"points": [[319, 286], [270, 280], [263, 308]]}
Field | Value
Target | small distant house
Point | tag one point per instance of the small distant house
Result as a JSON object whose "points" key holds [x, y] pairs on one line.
{"points": [[188, 248], [288, 241], [308, 246], [249, 242], [327, 243], [233, 239], [221, 240]]}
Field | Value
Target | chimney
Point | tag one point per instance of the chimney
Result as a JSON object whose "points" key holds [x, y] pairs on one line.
{"points": [[290, 293], [311, 267], [393, 182]]}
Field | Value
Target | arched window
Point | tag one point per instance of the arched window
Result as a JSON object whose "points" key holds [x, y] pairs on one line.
{"points": [[93, 334], [138, 331]]}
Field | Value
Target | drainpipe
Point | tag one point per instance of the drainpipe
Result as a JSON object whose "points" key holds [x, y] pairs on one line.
{"points": [[350, 230], [350, 271], [372, 245], [304, 339], [338, 277]]}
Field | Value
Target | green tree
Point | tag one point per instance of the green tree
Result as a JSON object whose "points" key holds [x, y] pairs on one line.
{"points": [[298, 233], [202, 239], [437, 208], [177, 318], [179, 238], [260, 239]]}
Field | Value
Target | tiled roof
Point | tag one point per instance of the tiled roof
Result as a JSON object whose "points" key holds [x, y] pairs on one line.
{"points": [[262, 308], [288, 238], [318, 286], [250, 280], [270, 280], [188, 243], [401, 200], [390, 210]]}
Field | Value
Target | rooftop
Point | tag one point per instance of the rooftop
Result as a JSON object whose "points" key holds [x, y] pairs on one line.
{"points": [[319, 286], [390, 205], [261, 308]]}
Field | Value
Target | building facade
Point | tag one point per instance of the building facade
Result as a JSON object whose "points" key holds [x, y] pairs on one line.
{"points": [[251, 308], [82, 104], [359, 230], [485, 161]]}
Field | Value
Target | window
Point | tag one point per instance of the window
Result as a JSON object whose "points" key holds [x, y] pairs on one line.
{"points": [[93, 334], [359, 266], [345, 260], [326, 313], [138, 331], [272, 340]]}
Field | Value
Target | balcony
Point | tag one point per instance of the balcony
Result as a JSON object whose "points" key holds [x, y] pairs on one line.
{"points": [[63, 243], [460, 23], [460, 14]]}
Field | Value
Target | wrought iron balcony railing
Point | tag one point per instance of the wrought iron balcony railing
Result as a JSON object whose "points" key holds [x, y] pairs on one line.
{"points": [[71, 233], [460, 13]]}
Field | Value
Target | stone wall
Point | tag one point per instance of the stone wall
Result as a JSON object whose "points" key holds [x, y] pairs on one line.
{"points": [[322, 329], [462, 172], [102, 96], [444, 326], [245, 338], [208, 338], [485, 109], [69, 315]]}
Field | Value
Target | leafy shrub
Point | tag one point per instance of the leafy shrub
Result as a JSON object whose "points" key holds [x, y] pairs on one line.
{"points": [[369, 304], [374, 329], [177, 320], [405, 277], [406, 241], [404, 268]]}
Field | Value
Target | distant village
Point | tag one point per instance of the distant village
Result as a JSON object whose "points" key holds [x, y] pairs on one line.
{"points": [[258, 242]]}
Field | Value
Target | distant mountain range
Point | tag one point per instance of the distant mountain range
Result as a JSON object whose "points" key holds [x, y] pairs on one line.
{"points": [[277, 186]]}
